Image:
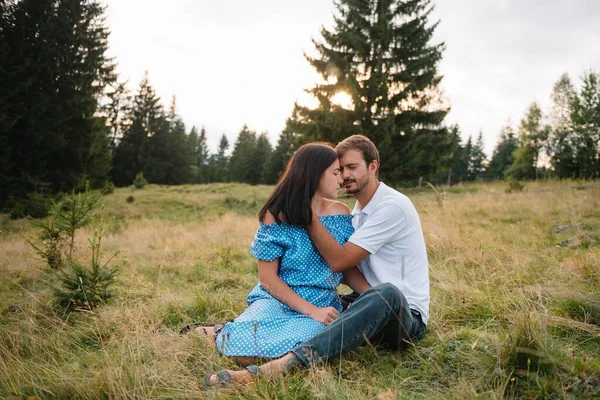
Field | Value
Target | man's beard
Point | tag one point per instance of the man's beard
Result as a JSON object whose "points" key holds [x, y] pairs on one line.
{"points": [[360, 185]]}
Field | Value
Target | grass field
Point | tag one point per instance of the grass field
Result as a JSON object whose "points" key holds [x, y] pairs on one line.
{"points": [[515, 307]]}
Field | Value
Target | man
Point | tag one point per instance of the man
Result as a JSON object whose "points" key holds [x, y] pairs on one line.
{"points": [[388, 247]]}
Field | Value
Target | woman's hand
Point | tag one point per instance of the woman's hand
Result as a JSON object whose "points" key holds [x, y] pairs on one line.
{"points": [[324, 315]]}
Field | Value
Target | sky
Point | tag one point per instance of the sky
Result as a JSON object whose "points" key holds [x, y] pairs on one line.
{"points": [[237, 62]]}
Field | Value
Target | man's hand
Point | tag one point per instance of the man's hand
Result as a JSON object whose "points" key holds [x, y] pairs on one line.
{"points": [[324, 315], [315, 208]]}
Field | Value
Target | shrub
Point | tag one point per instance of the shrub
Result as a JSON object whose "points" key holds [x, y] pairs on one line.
{"points": [[35, 205], [85, 287], [130, 199], [514, 186], [108, 188], [65, 218], [139, 181], [73, 213], [51, 242]]}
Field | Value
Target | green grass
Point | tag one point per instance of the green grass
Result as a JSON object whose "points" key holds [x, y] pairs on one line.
{"points": [[513, 314]]}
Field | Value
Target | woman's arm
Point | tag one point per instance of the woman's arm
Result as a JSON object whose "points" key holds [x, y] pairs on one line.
{"points": [[267, 273], [356, 280]]}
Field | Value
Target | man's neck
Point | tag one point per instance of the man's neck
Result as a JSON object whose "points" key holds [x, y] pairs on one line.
{"points": [[364, 196]]}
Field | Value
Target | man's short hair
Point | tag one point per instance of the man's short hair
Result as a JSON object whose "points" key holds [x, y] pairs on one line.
{"points": [[360, 143]]}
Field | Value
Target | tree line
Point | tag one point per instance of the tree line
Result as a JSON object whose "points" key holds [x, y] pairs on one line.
{"points": [[562, 143], [379, 54], [67, 119], [148, 139]]}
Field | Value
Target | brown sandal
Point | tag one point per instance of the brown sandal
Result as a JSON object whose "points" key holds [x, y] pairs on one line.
{"points": [[223, 378]]}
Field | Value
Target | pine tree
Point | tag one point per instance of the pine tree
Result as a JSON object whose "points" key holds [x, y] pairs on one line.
{"points": [[459, 165], [379, 53], [561, 140], [178, 158], [502, 157], [533, 134], [192, 148], [477, 159], [262, 154], [116, 110], [523, 164], [53, 71], [133, 155], [453, 164], [202, 157], [286, 145], [219, 162], [466, 160], [242, 160], [585, 115], [157, 160]]}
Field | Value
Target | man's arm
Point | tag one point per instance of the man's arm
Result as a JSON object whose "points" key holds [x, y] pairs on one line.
{"points": [[387, 223], [356, 280], [340, 258]]}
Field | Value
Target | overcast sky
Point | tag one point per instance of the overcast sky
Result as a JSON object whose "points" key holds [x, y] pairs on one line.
{"points": [[239, 61]]}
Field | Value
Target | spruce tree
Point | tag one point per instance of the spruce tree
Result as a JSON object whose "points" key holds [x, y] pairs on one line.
{"points": [[192, 148], [502, 157], [477, 159], [178, 159], [116, 109], [523, 164], [456, 165], [466, 161], [533, 134], [286, 145], [380, 54], [219, 162], [561, 142], [53, 71], [242, 162], [133, 155], [262, 155], [448, 175], [202, 157], [585, 115]]}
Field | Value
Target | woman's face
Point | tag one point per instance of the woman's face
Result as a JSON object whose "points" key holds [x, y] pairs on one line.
{"points": [[331, 181]]}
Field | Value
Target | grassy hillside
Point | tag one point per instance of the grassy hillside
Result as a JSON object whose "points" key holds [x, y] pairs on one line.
{"points": [[515, 308]]}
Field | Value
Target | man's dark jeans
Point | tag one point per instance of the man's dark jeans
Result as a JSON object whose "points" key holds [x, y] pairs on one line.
{"points": [[380, 315]]}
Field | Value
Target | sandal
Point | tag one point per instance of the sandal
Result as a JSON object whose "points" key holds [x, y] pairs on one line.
{"points": [[189, 327], [224, 377]]}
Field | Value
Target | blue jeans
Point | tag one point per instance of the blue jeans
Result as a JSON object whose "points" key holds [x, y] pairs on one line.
{"points": [[380, 315]]}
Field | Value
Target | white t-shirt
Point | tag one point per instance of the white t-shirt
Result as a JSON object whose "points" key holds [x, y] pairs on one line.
{"points": [[389, 228]]}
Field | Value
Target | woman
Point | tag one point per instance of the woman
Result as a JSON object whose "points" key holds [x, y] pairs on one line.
{"points": [[296, 296]]}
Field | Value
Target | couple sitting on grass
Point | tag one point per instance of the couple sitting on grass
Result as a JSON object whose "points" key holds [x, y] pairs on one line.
{"points": [[306, 245]]}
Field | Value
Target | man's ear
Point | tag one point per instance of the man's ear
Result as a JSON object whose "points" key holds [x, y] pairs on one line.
{"points": [[373, 167]]}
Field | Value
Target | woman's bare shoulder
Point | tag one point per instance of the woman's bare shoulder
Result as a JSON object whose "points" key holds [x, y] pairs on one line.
{"points": [[270, 219], [337, 207]]}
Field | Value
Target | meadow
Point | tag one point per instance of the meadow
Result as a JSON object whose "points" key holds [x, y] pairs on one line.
{"points": [[515, 301]]}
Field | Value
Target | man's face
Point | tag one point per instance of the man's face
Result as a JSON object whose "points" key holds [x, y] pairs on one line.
{"points": [[355, 172]]}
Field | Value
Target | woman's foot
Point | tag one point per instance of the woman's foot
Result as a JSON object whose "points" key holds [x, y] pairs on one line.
{"points": [[203, 329], [227, 377], [207, 333], [245, 361], [247, 375]]}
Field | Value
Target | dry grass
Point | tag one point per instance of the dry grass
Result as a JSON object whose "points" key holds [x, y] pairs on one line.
{"points": [[513, 313]]}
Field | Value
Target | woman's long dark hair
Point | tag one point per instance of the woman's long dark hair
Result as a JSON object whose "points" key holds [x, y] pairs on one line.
{"points": [[298, 184]]}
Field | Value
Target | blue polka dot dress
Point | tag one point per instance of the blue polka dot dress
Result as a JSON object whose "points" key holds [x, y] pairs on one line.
{"points": [[269, 328]]}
